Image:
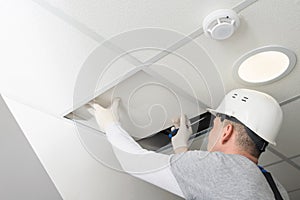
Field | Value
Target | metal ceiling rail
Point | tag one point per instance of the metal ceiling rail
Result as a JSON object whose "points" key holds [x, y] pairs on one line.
{"points": [[133, 60], [287, 101], [283, 157]]}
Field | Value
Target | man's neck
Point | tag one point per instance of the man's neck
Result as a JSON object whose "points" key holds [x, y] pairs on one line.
{"points": [[243, 153], [250, 157]]}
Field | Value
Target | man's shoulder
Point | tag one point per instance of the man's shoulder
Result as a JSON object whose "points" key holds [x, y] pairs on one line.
{"points": [[221, 171], [205, 159], [199, 155]]}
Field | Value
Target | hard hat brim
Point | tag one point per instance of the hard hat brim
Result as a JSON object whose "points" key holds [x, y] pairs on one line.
{"points": [[212, 111], [215, 112]]}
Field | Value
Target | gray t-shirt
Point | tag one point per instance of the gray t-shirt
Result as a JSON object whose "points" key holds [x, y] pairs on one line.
{"points": [[215, 175]]}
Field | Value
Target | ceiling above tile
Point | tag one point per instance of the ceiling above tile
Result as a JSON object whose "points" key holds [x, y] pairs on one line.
{"points": [[270, 22], [297, 160], [268, 158], [112, 17], [41, 56], [46, 43], [146, 106], [106, 20], [289, 136], [287, 175]]}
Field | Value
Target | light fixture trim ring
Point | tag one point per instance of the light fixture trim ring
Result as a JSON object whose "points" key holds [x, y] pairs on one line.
{"points": [[290, 54]]}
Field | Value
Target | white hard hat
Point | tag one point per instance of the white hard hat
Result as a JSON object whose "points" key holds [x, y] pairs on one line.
{"points": [[258, 111]]}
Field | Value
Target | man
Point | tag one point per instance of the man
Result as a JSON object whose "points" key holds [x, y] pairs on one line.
{"points": [[245, 122]]}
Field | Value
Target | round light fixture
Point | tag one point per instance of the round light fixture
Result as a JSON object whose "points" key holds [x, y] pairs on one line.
{"points": [[264, 65]]}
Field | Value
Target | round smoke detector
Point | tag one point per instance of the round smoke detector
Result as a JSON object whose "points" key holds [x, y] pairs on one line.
{"points": [[220, 24]]}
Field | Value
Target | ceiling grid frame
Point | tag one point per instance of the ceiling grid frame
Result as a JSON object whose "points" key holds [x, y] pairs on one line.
{"points": [[87, 31], [113, 47]]}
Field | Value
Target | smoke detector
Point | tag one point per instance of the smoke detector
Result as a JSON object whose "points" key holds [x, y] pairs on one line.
{"points": [[220, 24]]}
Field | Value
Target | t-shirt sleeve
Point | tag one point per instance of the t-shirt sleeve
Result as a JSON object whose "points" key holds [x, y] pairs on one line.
{"points": [[215, 175], [183, 167], [282, 190]]}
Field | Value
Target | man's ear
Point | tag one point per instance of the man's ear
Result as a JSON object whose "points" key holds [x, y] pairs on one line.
{"points": [[227, 133]]}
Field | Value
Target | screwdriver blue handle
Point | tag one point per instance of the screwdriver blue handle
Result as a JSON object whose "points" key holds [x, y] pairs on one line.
{"points": [[173, 133]]}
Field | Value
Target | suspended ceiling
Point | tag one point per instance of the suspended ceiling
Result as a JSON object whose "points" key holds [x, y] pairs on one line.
{"points": [[47, 44]]}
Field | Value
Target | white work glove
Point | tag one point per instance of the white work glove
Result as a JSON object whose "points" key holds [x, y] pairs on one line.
{"points": [[105, 116], [180, 140]]}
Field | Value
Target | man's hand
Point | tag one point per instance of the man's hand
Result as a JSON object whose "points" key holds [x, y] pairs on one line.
{"points": [[105, 116], [180, 140]]}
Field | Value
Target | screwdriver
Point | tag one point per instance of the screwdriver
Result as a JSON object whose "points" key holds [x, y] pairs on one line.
{"points": [[175, 130]]}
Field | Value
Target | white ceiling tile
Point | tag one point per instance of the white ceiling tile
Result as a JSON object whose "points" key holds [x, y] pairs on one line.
{"points": [[191, 69], [147, 106], [267, 158], [113, 71], [144, 43], [80, 162], [297, 160], [258, 28], [289, 137], [295, 195], [41, 56], [269, 22], [287, 175], [112, 17], [144, 54], [145, 24]]}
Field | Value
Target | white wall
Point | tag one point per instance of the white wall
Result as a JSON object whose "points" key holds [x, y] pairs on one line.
{"points": [[42, 56], [22, 174], [74, 171]]}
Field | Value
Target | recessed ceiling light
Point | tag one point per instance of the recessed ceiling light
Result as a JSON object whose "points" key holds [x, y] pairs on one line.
{"points": [[264, 65]]}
